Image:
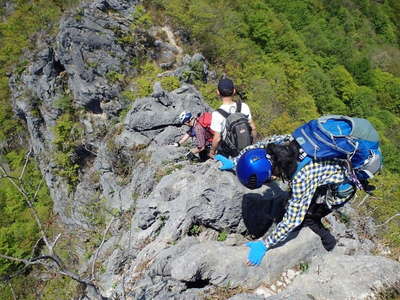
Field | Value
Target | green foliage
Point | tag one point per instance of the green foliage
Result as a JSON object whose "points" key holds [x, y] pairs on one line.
{"points": [[386, 204], [128, 95], [343, 83], [222, 236], [18, 230], [209, 93], [143, 83], [27, 18], [170, 83], [304, 266], [114, 77], [141, 18], [60, 288], [387, 87], [195, 230], [64, 103], [67, 136]]}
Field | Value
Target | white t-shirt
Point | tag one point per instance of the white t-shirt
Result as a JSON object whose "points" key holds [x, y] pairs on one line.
{"points": [[218, 121]]}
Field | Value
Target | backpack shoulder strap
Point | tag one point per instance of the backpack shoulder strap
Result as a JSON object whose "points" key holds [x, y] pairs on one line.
{"points": [[301, 164], [239, 106], [223, 113]]}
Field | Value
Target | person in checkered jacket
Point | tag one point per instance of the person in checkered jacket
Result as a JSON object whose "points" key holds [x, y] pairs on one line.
{"points": [[317, 187]]}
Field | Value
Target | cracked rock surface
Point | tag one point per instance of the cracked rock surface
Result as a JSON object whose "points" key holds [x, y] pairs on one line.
{"points": [[179, 228]]}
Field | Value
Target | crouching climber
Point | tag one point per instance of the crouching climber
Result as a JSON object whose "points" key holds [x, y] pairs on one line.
{"points": [[320, 181], [199, 130]]}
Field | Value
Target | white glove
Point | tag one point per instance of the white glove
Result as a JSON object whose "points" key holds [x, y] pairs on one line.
{"points": [[176, 144]]}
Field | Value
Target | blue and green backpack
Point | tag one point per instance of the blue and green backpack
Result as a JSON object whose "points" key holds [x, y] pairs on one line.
{"points": [[354, 140]]}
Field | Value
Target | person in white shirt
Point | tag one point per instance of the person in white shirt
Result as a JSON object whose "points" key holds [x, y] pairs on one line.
{"points": [[226, 91]]}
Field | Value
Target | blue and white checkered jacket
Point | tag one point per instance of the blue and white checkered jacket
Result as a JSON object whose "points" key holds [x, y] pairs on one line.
{"points": [[303, 187]]}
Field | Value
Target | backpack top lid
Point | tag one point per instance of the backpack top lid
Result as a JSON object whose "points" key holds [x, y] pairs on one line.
{"points": [[341, 126], [335, 136]]}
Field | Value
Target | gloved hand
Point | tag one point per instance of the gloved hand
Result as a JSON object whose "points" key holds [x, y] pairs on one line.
{"points": [[227, 164], [256, 253], [176, 144]]}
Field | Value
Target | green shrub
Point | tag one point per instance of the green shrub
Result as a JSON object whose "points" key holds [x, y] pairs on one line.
{"points": [[170, 83], [18, 229], [67, 136], [64, 103], [144, 82], [114, 77], [141, 19]]}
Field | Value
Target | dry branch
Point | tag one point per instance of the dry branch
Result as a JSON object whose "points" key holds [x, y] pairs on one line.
{"points": [[388, 220]]}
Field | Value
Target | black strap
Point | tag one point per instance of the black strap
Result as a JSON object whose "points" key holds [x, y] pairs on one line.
{"points": [[239, 106], [223, 113], [226, 114]]}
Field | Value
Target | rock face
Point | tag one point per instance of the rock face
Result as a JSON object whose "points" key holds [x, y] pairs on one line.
{"points": [[177, 229]]}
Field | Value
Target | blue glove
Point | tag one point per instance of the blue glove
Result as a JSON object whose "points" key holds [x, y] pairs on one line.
{"points": [[227, 164], [257, 252]]}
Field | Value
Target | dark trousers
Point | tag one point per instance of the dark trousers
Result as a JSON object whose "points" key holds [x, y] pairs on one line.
{"points": [[313, 218], [203, 155]]}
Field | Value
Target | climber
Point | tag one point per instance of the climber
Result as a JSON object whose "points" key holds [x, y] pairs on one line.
{"points": [[200, 131], [232, 123], [257, 165], [318, 185]]}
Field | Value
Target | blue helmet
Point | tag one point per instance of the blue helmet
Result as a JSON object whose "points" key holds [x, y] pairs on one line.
{"points": [[184, 117], [254, 168]]}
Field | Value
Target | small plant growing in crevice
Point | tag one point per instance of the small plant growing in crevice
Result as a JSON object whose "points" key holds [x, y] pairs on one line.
{"points": [[195, 230], [167, 170], [64, 103], [303, 267], [343, 217], [225, 292], [222, 236]]}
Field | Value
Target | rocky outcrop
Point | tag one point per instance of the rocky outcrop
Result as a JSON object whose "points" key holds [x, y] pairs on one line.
{"points": [[177, 229]]}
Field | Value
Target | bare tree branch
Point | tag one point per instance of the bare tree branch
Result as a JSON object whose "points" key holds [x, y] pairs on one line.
{"points": [[61, 269], [37, 190], [101, 244], [12, 291], [25, 164], [57, 266], [55, 241], [15, 259], [388, 220], [363, 200], [30, 204]]}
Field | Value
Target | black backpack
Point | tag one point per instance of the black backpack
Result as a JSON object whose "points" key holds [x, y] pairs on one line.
{"points": [[238, 131]]}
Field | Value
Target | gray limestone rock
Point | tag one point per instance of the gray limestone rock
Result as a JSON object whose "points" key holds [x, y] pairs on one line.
{"points": [[169, 212], [345, 277], [203, 262], [246, 296]]}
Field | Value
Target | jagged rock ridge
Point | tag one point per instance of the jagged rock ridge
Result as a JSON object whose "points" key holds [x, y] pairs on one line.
{"points": [[171, 217]]}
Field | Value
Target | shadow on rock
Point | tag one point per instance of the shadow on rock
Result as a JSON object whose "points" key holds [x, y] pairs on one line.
{"points": [[261, 211]]}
